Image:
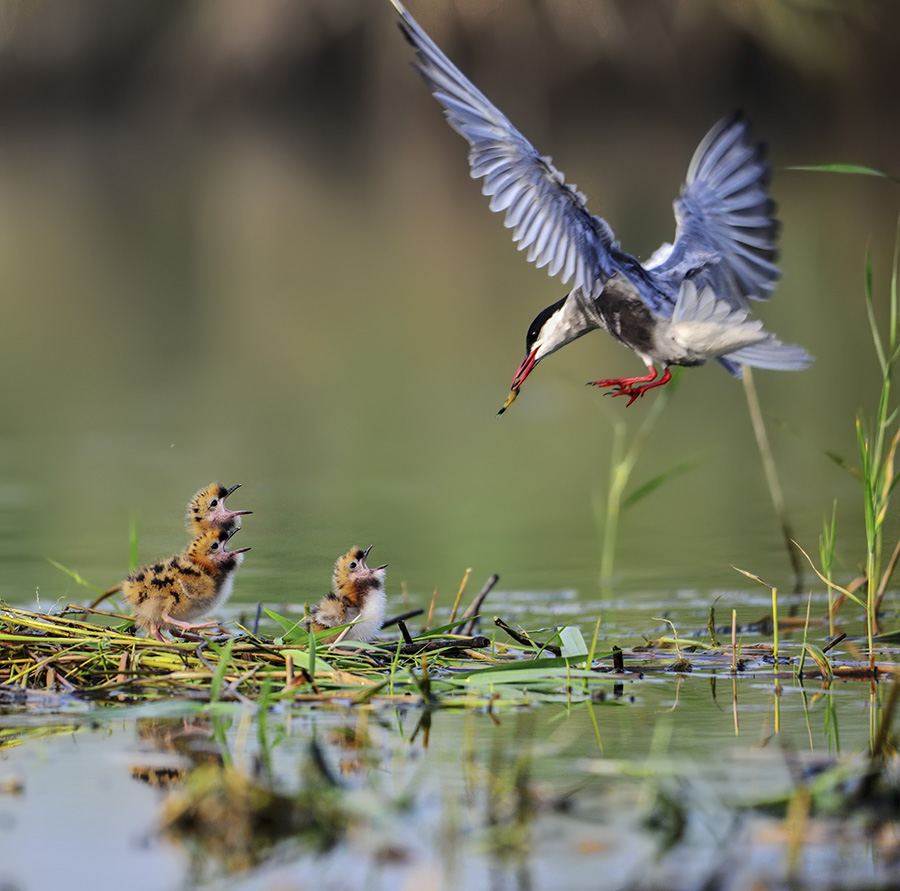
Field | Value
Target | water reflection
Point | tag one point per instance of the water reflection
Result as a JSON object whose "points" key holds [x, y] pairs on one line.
{"points": [[663, 783]]}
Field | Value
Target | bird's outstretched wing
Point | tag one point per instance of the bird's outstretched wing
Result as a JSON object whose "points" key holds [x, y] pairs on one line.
{"points": [[726, 231], [547, 216]]}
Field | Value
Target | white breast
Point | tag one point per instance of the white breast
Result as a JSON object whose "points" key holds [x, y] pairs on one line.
{"points": [[225, 591], [371, 617]]}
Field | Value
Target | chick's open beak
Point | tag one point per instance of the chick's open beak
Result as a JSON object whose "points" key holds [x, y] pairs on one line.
{"points": [[233, 550], [366, 554], [234, 513]]}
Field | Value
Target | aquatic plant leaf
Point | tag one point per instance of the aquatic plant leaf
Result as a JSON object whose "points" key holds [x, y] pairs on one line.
{"points": [[526, 676], [821, 660], [572, 642], [293, 632], [305, 659]]}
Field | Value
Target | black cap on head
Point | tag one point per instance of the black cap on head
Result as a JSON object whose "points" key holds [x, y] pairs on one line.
{"points": [[535, 328]]}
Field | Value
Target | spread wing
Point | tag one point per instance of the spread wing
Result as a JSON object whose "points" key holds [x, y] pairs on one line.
{"points": [[726, 231], [547, 216]]}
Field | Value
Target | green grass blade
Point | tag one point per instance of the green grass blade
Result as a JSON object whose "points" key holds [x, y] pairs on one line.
{"points": [[72, 574], [857, 169], [292, 630], [643, 491], [313, 644], [894, 293], [224, 654], [870, 311], [844, 464], [868, 494]]}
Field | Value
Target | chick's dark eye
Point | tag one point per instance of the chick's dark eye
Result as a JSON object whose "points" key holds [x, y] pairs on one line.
{"points": [[214, 502], [215, 546], [353, 564]]}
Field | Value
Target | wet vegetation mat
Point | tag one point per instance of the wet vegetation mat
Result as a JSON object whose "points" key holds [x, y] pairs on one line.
{"points": [[65, 654]]}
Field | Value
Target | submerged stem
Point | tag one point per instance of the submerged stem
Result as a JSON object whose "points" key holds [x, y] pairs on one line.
{"points": [[768, 463]]}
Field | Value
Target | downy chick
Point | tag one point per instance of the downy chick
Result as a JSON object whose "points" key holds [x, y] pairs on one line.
{"points": [[205, 511], [357, 593], [171, 593]]}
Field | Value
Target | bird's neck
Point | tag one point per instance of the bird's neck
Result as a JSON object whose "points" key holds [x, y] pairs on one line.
{"points": [[575, 317], [219, 569]]}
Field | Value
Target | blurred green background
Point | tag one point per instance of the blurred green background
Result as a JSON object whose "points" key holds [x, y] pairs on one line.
{"points": [[239, 242]]}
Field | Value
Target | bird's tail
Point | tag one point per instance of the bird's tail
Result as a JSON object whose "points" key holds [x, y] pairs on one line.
{"points": [[708, 326], [770, 353]]}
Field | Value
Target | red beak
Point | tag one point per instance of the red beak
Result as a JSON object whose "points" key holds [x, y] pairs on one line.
{"points": [[524, 370], [519, 378]]}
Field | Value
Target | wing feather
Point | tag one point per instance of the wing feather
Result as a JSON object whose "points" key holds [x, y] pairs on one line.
{"points": [[726, 232], [547, 216]]}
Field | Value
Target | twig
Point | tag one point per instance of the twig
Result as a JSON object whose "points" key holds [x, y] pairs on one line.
{"points": [[407, 637], [445, 644], [394, 620], [459, 593], [103, 596], [734, 641], [524, 639], [886, 577], [431, 609], [471, 614]]}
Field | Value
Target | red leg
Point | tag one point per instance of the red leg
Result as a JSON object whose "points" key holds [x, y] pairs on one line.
{"points": [[639, 391], [625, 383], [625, 386]]}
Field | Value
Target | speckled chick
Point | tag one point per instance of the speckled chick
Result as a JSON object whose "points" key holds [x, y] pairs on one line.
{"points": [[357, 592], [207, 510], [171, 593]]}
